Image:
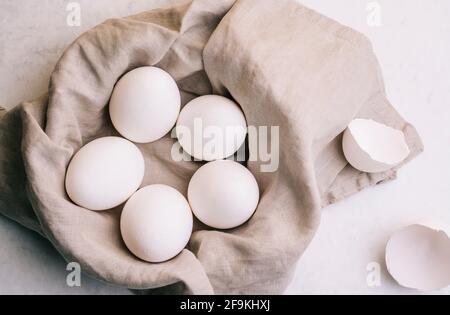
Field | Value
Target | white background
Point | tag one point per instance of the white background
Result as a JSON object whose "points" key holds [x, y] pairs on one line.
{"points": [[413, 46]]}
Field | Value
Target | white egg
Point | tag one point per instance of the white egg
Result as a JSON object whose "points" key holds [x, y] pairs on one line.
{"points": [[145, 104], [373, 147], [418, 257], [104, 173], [156, 223], [223, 194], [211, 127]]}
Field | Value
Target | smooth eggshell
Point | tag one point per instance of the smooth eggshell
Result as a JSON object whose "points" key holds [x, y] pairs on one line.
{"points": [[104, 173], [223, 194], [373, 147], [156, 223], [418, 257], [220, 131], [145, 104]]}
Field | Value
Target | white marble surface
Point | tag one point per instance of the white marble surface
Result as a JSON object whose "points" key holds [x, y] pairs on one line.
{"points": [[413, 47]]}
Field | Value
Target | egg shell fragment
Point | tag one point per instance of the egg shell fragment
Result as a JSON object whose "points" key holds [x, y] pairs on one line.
{"points": [[418, 257], [372, 147]]}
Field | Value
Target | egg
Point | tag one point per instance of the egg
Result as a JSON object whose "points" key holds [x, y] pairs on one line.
{"points": [[104, 173], [373, 147], [211, 127], [223, 194], [156, 223], [418, 257], [145, 104]]}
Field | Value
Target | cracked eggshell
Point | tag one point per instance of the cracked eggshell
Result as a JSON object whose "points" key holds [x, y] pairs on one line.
{"points": [[418, 257], [373, 147]]}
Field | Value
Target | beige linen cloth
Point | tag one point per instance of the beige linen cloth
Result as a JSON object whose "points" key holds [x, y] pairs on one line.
{"points": [[285, 64]]}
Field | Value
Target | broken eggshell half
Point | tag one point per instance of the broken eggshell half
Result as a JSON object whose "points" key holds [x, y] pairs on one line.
{"points": [[372, 147], [418, 257]]}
